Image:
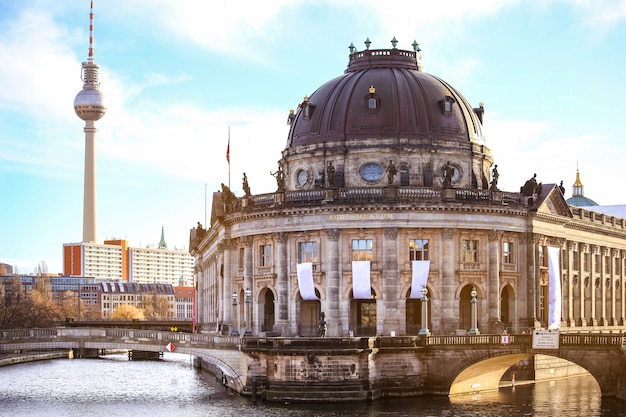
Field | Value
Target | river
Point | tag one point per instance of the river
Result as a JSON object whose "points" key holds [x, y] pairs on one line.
{"points": [[114, 386]]}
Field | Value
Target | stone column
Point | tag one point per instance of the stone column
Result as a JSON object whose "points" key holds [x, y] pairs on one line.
{"points": [[200, 294], [282, 283], [603, 277], [622, 290], [571, 321], [448, 281], [248, 271], [333, 284], [535, 240], [592, 285], [493, 288], [614, 255], [224, 249], [389, 309], [579, 261]]}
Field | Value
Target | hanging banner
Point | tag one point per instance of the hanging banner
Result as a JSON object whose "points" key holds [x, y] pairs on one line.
{"points": [[554, 288], [420, 276], [361, 285], [305, 281]]}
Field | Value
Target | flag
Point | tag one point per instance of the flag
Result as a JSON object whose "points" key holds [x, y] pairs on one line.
{"points": [[228, 150]]}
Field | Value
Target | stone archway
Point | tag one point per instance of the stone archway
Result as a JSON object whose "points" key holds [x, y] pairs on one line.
{"points": [[363, 317], [310, 311], [414, 313], [266, 309]]}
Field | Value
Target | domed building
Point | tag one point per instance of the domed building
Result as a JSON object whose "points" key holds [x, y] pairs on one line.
{"points": [[578, 197], [387, 219]]}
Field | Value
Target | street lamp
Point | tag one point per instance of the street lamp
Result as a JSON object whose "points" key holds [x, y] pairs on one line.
{"points": [[233, 330], [248, 312], [474, 329], [424, 330]]}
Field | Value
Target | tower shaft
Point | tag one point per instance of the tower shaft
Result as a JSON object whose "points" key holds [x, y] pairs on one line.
{"points": [[89, 191]]}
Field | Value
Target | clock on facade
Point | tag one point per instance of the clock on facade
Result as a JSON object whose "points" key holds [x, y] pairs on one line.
{"points": [[372, 172]]}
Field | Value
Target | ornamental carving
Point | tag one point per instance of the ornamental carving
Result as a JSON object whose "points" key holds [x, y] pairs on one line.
{"points": [[495, 235], [391, 232], [280, 237], [332, 234], [447, 234]]}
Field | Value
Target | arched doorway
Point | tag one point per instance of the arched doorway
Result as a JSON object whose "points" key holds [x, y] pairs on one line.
{"points": [[465, 308], [310, 311], [507, 304], [363, 315], [414, 314], [267, 315]]}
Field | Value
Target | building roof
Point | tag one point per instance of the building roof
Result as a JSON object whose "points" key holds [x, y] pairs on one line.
{"points": [[410, 103]]}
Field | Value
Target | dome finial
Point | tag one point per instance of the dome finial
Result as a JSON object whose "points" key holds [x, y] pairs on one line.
{"points": [[367, 43], [351, 48], [416, 46], [394, 42]]}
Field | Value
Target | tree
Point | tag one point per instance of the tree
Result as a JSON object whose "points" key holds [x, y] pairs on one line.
{"points": [[156, 306], [128, 312]]}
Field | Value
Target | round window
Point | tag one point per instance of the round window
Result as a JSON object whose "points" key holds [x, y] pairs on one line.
{"points": [[372, 172]]}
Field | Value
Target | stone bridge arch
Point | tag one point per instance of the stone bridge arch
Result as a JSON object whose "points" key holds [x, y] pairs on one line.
{"points": [[483, 371]]}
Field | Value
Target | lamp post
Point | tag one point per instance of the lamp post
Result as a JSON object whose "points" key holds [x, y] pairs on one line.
{"points": [[248, 312], [474, 329], [234, 331], [424, 330]]}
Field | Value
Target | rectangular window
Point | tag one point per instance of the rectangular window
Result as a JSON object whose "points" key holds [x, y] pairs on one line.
{"points": [[265, 252], [362, 250], [607, 265], [542, 258], [470, 250], [307, 252], [575, 261], [586, 262], [240, 260], [598, 263], [617, 265], [507, 252], [418, 250]]}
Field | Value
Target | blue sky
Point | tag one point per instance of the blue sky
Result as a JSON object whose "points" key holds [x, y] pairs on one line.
{"points": [[176, 74]]}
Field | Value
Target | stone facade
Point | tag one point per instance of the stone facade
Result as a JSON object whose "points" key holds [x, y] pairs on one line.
{"points": [[388, 164]]}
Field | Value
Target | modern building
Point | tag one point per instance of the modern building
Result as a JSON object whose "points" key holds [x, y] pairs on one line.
{"points": [[105, 262], [388, 218], [115, 260], [183, 302]]}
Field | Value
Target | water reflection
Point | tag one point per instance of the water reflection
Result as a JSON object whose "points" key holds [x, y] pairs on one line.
{"points": [[116, 387]]}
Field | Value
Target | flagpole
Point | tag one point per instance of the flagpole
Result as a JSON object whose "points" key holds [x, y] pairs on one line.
{"points": [[228, 156]]}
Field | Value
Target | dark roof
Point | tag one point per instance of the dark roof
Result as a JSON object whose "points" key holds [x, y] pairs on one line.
{"points": [[410, 104]]}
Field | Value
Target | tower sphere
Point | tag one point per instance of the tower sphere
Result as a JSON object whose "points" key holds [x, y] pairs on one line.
{"points": [[89, 104]]}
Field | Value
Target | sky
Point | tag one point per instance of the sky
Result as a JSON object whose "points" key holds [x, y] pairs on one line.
{"points": [[178, 75]]}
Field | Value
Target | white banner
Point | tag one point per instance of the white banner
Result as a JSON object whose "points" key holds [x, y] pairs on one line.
{"points": [[305, 281], [361, 286], [554, 288], [420, 276]]}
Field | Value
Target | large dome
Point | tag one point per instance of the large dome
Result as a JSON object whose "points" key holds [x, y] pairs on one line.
{"points": [[409, 102], [384, 107]]}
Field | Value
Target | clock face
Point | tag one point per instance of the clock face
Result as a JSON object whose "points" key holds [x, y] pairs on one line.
{"points": [[371, 172], [301, 177]]}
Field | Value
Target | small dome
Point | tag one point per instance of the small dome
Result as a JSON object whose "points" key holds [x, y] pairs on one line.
{"points": [[89, 104], [580, 201], [578, 198]]}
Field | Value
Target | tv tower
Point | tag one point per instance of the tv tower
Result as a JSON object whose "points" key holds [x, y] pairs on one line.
{"points": [[89, 106]]}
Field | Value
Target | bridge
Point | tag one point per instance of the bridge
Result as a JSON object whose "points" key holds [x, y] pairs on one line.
{"points": [[339, 369]]}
